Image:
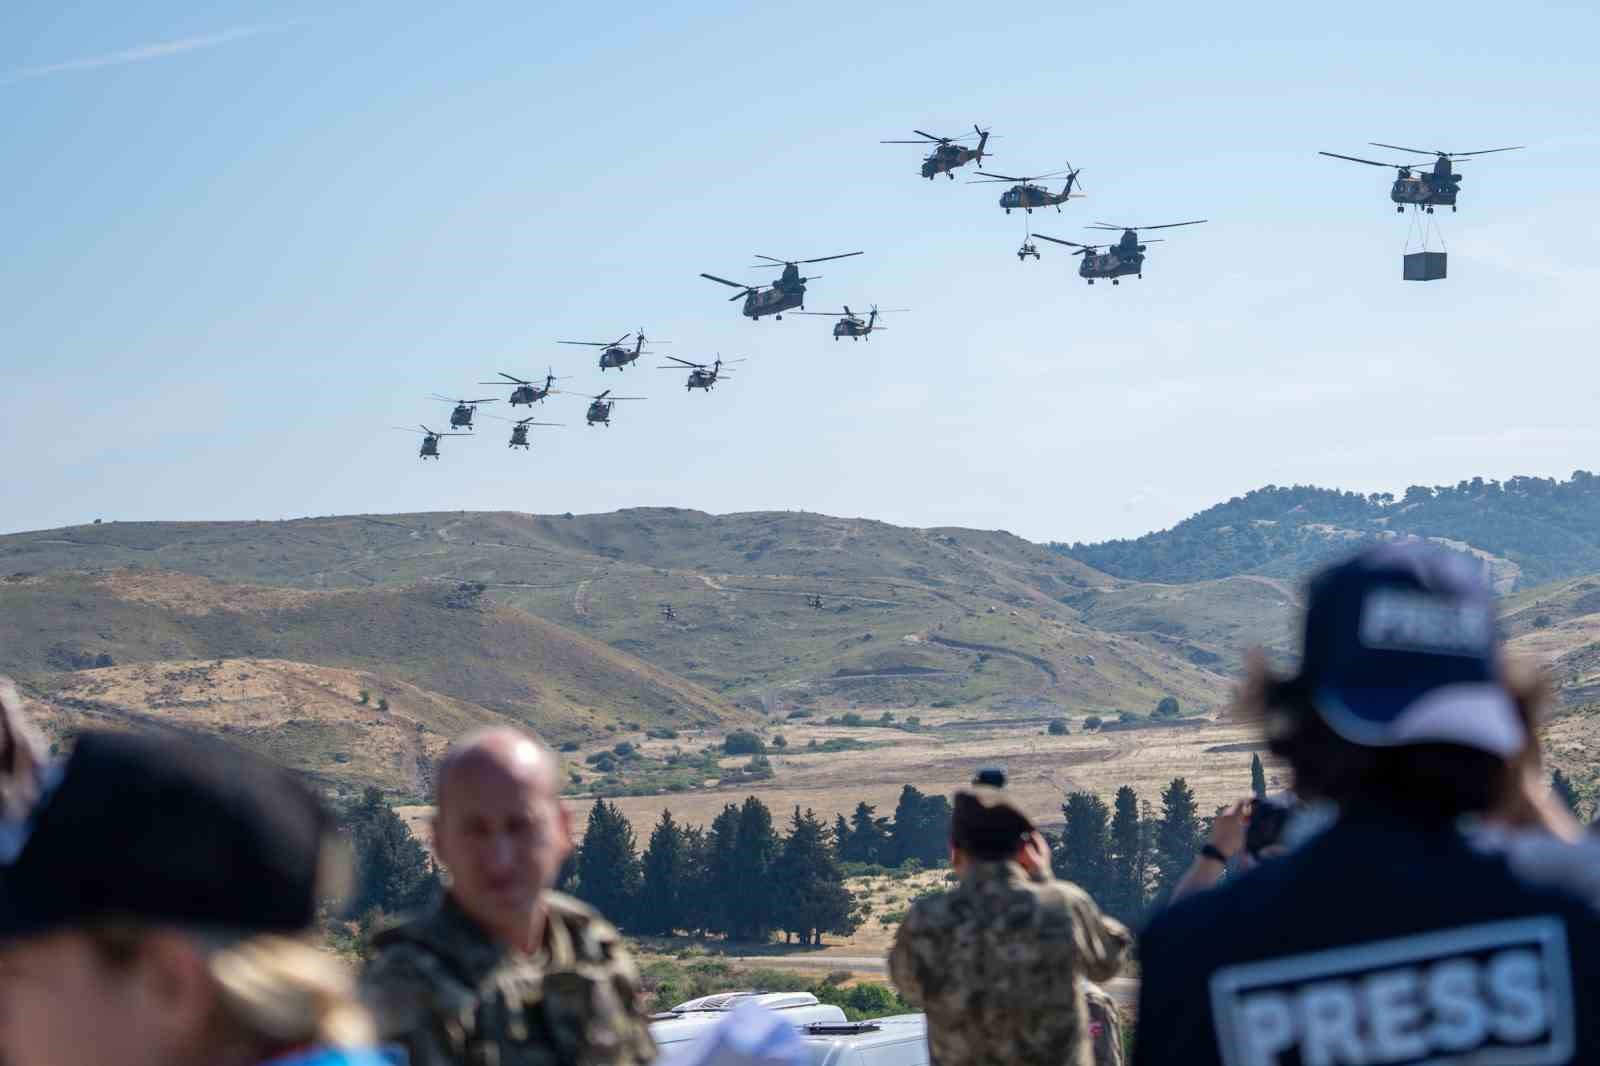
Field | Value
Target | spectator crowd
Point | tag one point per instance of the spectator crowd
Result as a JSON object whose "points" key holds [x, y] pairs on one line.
{"points": [[1418, 895]]}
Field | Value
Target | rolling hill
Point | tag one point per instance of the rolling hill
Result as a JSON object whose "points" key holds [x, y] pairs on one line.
{"points": [[1529, 530], [909, 616]]}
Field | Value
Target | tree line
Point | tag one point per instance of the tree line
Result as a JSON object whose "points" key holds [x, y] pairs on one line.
{"points": [[740, 877]]}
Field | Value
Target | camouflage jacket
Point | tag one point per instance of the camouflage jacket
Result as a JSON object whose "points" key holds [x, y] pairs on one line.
{"points": [[998, 963], [450, 995]]}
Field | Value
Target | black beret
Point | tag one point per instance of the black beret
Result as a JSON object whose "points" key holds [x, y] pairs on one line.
{"points": [[146, 828]]}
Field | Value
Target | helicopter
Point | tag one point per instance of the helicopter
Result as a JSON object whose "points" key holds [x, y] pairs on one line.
{"points": [[430, 440], [613, 354], [519, 429], [788, 291], [1026, 195], [461, 417], [814, 601], [526, 392], [1423, 189], [1123, 258], [948, 155], [668, 613], [701, 376], [600, 407], [853, 325]]}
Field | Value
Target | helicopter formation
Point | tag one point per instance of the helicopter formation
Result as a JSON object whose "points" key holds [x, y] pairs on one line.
{"points": [[1417, 185]]}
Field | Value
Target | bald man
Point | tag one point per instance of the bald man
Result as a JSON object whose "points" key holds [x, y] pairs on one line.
{"points": [[504, 971]]}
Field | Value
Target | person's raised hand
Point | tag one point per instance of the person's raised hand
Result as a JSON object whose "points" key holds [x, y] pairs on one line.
{"points": [[1228, 828], [1034, 855]]}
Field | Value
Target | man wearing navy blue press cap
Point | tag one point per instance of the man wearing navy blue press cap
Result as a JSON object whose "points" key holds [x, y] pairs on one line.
{"points": [[1394, 936]]}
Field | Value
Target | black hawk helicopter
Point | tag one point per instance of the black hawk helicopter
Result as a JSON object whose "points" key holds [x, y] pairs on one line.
{"points": [[701, 376], [1120, 259], [853, 325], [1419, 188], [461, 417], [430, 440], [519, 429], [1026, 195], [613, 354], [788, 291], [526, 392], [948, 155], [600, 407]]}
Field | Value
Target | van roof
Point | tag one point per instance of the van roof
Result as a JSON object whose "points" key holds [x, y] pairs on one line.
{"points": [[830, 1041]]}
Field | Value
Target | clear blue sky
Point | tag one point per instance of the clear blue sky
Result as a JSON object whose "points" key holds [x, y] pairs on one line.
{"points": [[242, 240]]}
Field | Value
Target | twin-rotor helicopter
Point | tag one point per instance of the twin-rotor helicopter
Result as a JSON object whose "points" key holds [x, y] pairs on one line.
{"points": [[787, 292], [1118, 260], [1425, 189]]}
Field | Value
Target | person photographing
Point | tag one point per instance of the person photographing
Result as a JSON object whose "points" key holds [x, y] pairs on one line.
{"points": [[999, 961]]}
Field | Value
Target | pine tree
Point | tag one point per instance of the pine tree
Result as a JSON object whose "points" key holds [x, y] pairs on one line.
{"points": [[1258, 777], [608, 865], [921, 828], [660, 905], [721, 871], [869, 836], [1562, 786], [1083, 855], [812, 899], [695, 897], [1178, 836], [752, 908], [841, 837], [393, 871], [1129, 859]]}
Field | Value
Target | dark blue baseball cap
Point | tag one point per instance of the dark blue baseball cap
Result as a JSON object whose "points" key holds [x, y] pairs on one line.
{"points": [[1401, 647]]}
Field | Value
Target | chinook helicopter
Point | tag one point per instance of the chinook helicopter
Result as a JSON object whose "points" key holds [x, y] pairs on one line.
{"points": [[1026, 195], [526, 392], [600, 407], [788, 291], [1120, 259], [519, 429], [1418, 188], [948, 155], [702, 376], [461, 417], [430, 440], [613, 354], [853, 325]]}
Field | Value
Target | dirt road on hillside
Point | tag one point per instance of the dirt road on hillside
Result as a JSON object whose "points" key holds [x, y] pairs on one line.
{"points": [[1125, 990]]}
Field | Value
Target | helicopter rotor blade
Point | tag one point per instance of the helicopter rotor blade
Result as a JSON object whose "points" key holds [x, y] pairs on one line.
{"points": [[1358, 159], [1487, 151], [999, 177], [1058, 240], [587, 344], [681, 363], [931, 137], [1398, 148], [826, 258], [725, 281]]}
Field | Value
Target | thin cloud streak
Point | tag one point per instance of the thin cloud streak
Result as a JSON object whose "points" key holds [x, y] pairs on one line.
{"points": [[144, 52]]}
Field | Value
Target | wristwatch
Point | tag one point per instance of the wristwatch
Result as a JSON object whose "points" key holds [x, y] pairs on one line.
{"points": [[1211, 851]]}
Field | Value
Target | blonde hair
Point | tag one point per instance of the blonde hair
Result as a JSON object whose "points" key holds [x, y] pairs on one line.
{"points": [[273, 991], [282, 990]]}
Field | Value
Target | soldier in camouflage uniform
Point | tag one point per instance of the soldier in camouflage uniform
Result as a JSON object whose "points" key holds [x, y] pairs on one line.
{"points": [[504, 971], [999, 962]]}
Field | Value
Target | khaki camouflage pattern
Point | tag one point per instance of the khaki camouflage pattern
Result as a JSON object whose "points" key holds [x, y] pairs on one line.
{"points": [[1105, 1025], [999, 963], [452, 997]]}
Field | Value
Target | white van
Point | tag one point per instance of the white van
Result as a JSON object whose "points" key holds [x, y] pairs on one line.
{"points": [[900, 1040], [690, 1019]]}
